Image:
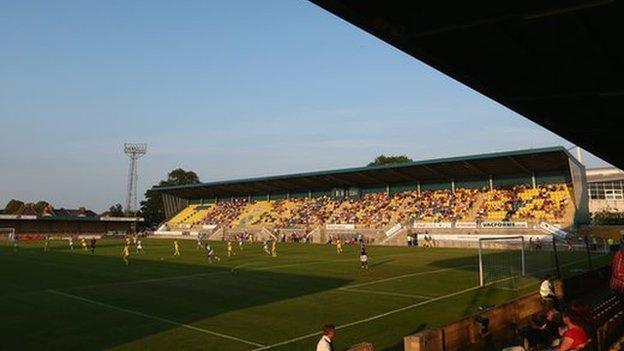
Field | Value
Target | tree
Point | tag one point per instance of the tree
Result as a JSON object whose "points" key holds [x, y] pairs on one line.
{"points": [[116, 211], [41, 205], [386, 160], [13, 206], [606, 217], [152, 208]]}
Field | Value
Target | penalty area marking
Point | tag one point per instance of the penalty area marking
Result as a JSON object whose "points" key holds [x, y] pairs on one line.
{"points": [[406, 276], [260, 268], [159, 319], [377, 292], [187, 276]]}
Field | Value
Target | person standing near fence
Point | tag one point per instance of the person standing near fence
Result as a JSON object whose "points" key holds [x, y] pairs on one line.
{"points": [[547, 292], [617, 273]]}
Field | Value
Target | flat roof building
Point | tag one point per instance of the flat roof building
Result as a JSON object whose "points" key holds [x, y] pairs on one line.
{"points": [[606, 189]]}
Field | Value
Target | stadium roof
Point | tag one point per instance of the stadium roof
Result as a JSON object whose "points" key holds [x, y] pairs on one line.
{"points": [[542, 160], [558, 63]]}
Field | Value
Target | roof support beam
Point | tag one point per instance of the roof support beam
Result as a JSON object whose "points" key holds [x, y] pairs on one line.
{"points": [[517, 163], [314, 182], [437, 173], [401, 174], [337, 179], [471, 166], [371, 177]]}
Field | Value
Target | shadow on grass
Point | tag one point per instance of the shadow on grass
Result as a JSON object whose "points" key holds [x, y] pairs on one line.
{"points": [[32, 316]]}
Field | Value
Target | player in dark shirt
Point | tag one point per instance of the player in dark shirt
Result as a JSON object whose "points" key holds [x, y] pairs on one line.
{"points": [[93, 245]]}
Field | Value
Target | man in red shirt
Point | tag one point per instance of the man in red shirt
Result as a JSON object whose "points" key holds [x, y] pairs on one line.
{"points": [[617, 272]]}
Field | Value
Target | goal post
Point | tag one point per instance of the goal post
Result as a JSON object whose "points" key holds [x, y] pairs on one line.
{"points": [[507, 245], [7, 234]]}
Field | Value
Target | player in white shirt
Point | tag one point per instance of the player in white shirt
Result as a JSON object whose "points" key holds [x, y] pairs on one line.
{"points": [[265, 247], [325, 344], [199, 243], [363, 258], [210, 254], [139, 246]]}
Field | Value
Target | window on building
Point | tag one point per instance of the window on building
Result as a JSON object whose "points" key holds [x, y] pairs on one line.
{"points": [[606, 190]]}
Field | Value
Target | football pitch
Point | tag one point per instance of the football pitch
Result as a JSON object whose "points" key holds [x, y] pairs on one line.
{"points": [[73, 300]]}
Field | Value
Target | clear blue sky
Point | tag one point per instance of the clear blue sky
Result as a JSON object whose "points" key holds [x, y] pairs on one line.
{"points": [[228, 89]]}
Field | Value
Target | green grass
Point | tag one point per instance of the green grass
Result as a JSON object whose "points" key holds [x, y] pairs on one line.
{"points": [[78, 301]]}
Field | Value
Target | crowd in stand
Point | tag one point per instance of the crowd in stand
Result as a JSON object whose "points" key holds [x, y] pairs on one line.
{"points": [[523, 202], [378, 210], [225, 212], [436, 206]]}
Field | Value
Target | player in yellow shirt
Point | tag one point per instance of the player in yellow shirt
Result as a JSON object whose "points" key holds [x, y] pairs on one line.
{"points": [[229, 249], [274, 248], [339, 246], [126, 254], [176, 248], [46, 246], [83, 243]]}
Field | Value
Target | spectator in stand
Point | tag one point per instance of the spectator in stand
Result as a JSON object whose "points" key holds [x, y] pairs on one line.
{"points": [[542, 329], [617, 273], [585, 317], [573, 336], [326, 342]]}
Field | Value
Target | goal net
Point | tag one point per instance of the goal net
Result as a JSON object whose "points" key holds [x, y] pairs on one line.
{"points": [[502, 261], [7, 235]]}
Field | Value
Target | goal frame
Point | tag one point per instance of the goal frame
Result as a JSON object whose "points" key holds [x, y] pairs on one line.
{"points": [[498, 238], [10, 231]]}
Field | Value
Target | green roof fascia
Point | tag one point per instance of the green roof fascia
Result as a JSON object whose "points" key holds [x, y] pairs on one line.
{"points": [[365, 168]]}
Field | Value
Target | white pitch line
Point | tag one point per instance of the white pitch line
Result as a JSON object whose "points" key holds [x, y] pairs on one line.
{"points": [[382, 315], [163, 320], [377, 292], [177, 277], [405, 276], [304, 263], [303, 337]]}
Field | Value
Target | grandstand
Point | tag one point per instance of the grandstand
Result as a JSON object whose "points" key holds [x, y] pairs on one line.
{"points": [[486, 193]]}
